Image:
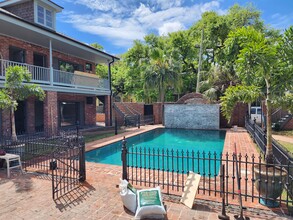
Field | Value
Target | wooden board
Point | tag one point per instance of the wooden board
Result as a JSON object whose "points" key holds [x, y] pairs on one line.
{"points": [[190, 189]]}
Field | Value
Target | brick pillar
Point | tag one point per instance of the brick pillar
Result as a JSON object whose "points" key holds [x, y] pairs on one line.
{"points": [[29, 59], [4, 48], [51, 112], [6, 124], [157, 111], [30, 109], [107, 106], [90, 112]]}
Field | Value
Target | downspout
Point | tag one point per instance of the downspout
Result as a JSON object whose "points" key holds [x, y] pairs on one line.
{"points": [[110, 84], [51, 63]]}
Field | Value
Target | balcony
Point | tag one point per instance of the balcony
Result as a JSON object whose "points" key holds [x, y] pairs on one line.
{"points": [[61, 81]]}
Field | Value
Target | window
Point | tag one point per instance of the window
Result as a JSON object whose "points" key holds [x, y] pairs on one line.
{"points": [[88, 67], [16, 54], [39, 60], [44, 16]]}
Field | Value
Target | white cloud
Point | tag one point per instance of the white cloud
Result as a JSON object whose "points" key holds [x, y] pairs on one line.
{"points": [[165, 4], [281, 22], [170, 27], [121, 22]]}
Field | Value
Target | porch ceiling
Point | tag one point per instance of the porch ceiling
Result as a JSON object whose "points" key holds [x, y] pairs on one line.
{"points": [[22, 30]]}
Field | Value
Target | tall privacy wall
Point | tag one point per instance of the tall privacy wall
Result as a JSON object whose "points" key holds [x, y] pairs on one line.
{"points": [[195, 116]]}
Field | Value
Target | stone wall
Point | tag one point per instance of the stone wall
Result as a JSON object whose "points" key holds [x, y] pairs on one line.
{"points": [[198, 116]]}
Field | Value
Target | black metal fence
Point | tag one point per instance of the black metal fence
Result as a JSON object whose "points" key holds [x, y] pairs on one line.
{"points": [[259, 136], [61, 155], [169, 169]]}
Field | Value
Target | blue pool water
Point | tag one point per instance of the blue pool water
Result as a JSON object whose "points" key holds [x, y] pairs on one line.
{"points": [[167, 142]]}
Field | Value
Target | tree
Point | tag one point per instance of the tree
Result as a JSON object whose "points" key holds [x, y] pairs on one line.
{"points": [[263, 73], [162, 71], [17, 88]]}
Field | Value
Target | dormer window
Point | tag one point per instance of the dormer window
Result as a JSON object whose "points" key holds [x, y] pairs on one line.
{"points": [[45, 17]]}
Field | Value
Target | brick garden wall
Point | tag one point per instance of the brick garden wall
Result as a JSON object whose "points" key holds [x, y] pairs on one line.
{"points": [[289, 125]]}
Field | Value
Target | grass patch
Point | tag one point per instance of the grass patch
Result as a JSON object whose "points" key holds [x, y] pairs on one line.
{"points": [[288, 146], [94, 136], [284, 133]]}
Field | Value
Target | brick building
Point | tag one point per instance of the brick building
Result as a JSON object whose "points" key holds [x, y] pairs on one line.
{"points": [[62, 66]]}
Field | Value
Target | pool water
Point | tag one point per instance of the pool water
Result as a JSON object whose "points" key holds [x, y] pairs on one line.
{"points": [[167, 142]]}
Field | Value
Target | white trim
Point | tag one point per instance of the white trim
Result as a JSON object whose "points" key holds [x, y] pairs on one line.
{"points": [[45, 8]]}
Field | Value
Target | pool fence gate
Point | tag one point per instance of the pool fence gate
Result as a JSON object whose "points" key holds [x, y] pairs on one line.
{"points": [[60, 155]]}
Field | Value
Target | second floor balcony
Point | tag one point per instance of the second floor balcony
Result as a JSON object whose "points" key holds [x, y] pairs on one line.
{"points": [[60, 81]]}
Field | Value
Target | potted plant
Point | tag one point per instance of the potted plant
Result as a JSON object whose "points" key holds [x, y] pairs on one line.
{"points": [[264, 66]]}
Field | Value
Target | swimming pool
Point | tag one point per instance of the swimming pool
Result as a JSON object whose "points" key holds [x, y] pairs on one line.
{"points": [[177, 140]]}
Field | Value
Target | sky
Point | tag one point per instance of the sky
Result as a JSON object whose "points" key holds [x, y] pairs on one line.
{"points": [[115, 24]]}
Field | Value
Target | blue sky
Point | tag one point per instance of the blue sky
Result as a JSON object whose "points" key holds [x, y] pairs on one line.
{"points": [[116, 23]]}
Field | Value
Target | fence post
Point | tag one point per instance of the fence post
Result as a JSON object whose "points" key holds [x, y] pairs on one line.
{"points": [[116, 126], [138, 121], [124, 159], [82, 171], [81, 148], [254, 121]]}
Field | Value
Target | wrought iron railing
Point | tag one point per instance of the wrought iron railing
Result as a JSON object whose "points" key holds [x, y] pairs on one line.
{"points": [[37, 151], [169, 169], [259, 136]]}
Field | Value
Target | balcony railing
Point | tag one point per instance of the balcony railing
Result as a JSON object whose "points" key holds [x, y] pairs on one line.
{"points": [[41, 75]]}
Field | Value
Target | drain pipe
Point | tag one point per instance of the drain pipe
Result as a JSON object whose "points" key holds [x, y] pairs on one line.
{"points": [[110, 84]]}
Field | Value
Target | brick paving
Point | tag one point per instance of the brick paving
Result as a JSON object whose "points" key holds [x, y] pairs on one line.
{"points": [[29, 196]]}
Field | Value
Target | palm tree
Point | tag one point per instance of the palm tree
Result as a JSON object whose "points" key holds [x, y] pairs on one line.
{"points": [[264, 72], [162, 71]]}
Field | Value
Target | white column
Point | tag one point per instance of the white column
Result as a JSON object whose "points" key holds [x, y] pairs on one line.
{"points": [[51, 62]]}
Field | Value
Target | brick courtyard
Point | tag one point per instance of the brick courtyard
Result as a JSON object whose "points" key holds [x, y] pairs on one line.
{"points": [[29, 196]]}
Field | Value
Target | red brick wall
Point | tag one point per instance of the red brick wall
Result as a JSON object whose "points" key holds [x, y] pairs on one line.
{"points": [[157, 111], [195, 97], [90, 109], [137, 107], [24, 10], [51, 112], [238, 116], [289, 125], [5, 42]]}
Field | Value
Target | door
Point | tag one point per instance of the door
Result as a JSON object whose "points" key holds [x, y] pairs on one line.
{"points": [[20, 118]]}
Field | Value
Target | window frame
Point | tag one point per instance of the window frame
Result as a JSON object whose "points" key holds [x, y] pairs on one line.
{"points": [[45, 10]]}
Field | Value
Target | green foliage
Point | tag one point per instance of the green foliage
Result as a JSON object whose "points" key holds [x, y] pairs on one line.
{"points": [[17, 87], [239, 93], [102, 71], [97, 46], [15, 90]]}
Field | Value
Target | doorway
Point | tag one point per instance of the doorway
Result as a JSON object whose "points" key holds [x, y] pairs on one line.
{"points": [[20, 118]]}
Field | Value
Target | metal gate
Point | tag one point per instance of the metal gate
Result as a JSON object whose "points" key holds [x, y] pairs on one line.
{"points": [[68, 165]]}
